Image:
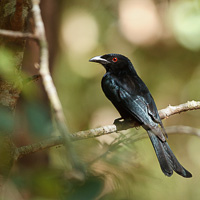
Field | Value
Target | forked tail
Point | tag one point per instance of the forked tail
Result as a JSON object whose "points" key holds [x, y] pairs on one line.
{"points": [[166, 158]]}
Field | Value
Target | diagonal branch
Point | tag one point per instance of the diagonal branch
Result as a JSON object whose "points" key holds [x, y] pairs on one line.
{"points": [[51, 89], [104, 130]]}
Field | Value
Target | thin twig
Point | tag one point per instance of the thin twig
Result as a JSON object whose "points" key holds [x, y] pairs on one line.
{"points": [[121, 141], [17, 34], [115, 144], [25, 150], [184, 130], [172, 110], [104, 130]]}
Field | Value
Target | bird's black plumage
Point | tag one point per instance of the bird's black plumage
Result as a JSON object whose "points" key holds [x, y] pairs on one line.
{"points": [[131, 97]]}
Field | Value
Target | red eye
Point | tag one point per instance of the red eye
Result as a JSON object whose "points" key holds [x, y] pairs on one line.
{"points": [[114, 59]]}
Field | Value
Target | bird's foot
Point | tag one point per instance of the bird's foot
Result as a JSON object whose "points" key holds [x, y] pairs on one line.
{"points": [[123, 124], [118, 121]]}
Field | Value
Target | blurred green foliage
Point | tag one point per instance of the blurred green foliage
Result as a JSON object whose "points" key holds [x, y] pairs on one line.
{"points": [[39, 120], [164, 48], [6, 121], [7, 65], [185, 18]]}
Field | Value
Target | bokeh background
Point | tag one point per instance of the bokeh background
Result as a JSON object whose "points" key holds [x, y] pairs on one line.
{"points": [[162, 39]]}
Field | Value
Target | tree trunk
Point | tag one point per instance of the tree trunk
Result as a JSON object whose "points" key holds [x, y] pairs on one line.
{"points": [[14, 17]]}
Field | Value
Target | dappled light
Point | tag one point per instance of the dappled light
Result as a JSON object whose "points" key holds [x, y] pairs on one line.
{"points": [[185, 22], [162, 40], [80, 32], [139, 22]]}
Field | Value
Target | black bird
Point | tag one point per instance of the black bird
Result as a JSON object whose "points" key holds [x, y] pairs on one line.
{"points": [[131, 97]]}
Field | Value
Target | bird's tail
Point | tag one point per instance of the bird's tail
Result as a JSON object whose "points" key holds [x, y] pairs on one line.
{"points": [[166, 158]]}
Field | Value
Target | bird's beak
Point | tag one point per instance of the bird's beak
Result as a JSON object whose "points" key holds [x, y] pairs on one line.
{"points": [[99, 59]]}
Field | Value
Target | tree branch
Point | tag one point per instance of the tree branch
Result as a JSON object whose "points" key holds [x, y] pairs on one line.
{"points": [[104, 130], [25, 150], [51, 89], [164, 113], [17, 34], [184, 130], [172, 110]]}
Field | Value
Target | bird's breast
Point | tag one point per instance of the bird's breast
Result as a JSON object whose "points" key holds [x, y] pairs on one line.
{"points": [[110, 87]]}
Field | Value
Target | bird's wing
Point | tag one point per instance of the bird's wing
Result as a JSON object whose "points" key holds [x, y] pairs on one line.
{"points": [[153, 112], [137, 106], [139, 89]]}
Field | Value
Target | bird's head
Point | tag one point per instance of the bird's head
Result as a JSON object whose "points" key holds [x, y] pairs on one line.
{"points": [[115, 63]]}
